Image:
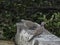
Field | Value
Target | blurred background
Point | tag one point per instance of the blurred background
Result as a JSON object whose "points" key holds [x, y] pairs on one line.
{"points": [[12, 11]]}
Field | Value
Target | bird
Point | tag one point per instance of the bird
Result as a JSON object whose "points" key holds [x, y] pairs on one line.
{"points": [[39, 30]]}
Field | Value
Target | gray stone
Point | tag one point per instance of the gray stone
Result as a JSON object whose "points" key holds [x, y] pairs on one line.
{"points": [[45, 38], [1, 34]]}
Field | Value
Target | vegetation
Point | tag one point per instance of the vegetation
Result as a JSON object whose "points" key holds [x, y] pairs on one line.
{"points": [[12, 11]]}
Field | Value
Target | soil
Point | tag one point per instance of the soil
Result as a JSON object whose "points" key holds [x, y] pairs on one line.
{"points": [[5, 42]]}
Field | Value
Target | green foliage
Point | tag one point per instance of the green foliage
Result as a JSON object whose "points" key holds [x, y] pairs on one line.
{"points": [[12, 11], [53, 24]]}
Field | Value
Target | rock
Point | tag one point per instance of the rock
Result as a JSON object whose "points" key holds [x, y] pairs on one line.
{"points": [[1, 34], [45, 38]]}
